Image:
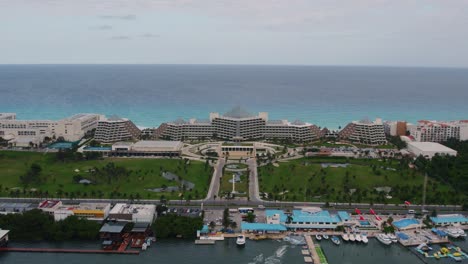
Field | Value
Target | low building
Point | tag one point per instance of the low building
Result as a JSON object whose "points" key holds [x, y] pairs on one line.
{"points": [[307, 218], [262, 228], [143, 148], [407, 223], [133, 212], [16, 208], [4, 237], [450, 219], [429, 149], [111, 234], [90, 211], [49, 206]]}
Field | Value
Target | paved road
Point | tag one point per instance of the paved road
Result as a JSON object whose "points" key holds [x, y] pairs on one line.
{"points": [[254, 193], [214, 185]]}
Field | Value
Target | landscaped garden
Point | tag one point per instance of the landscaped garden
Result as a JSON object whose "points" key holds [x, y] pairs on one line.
{"points": [[241, 185], [350, 180], [31, 174]]}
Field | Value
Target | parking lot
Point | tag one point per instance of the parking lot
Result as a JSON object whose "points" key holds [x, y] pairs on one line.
{"points": [[216, 216]]}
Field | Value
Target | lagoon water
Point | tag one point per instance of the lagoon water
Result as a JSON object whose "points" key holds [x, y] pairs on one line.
{"points": [[226, 252], [151, 94]]}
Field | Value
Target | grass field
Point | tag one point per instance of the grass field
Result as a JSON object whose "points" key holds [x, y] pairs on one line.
{"points": [[226, 186], [305, 180], [57, 177]]}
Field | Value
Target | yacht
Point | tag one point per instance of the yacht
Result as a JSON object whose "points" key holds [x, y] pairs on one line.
{"points": [[453, 233], [345, 237], [461, 232], [357, 237], [335, 240], [384, 239], [318, 237], [392, 237], [352, 238], [325, 236], [364, 239], [240, 240]]}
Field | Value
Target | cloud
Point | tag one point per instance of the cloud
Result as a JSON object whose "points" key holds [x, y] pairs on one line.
{"points": [[101, 27], [119, 17], [122, 37], [150, 35]]}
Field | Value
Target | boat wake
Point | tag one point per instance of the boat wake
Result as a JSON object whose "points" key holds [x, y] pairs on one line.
{"points": [[273, 259]]}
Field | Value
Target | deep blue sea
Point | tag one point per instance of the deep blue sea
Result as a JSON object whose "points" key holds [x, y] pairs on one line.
{"points": [[151, 94]]}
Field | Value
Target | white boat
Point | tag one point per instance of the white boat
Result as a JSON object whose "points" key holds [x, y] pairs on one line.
{"points": [[345, 237], [325, 236], [335, 240], [144, 246], [384, 239], [358, 237], [352, 238], [393, 238], [318, 237], [461, 232], [364, 239], [453, 233], [240, 240]]}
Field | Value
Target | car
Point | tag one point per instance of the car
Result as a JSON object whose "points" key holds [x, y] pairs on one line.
{"points": [[424, 211], [411, 211]]}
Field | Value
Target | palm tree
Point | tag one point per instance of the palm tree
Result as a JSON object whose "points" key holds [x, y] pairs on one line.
{"points": [[289, 219]]}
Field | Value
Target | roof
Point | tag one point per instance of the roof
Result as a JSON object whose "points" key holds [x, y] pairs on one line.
{"points": [[454, 218], [320, 217], [283, 216], [112, 227], [238, 112], [430, 146], [140, 227], [262, 227], [205, 229], [48, 204], [344, 216], [160, 145], [3, 232]]}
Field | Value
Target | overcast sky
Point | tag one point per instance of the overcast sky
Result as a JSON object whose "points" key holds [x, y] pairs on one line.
{"points": [[429, 33]]}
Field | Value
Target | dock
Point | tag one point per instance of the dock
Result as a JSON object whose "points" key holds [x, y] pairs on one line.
{"points": [[205, 242], [315, 251], [61, 250]]}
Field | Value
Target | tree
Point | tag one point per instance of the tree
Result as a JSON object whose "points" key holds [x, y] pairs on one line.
{"points": [[250, 217], [32, 176], [226, 220], [212, 225], [289, 219]]}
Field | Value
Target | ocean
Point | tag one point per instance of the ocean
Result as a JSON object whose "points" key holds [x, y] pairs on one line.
{"points": [[152, 94]]}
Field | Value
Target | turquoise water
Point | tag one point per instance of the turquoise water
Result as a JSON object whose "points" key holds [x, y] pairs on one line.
{"points": [[151, 94]]}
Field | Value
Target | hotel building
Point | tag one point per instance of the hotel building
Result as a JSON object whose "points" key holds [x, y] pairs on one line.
{"points": [[365, 132], [238, 125], [115, 129], [21, 132], [439, 131]]}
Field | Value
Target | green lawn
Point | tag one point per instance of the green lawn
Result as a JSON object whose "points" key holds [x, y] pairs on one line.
{"points": [[57, 177], [226, 186], [305, 180]]}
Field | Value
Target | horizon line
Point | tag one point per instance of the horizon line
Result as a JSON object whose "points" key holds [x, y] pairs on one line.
{"points": [[234, 64]]}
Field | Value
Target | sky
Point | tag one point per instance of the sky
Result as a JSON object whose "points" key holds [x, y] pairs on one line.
{"points": [[429, 33]]}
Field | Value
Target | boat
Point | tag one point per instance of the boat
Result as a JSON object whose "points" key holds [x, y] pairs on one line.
{"points": [[424, 247], [352, 238], [357, 237], [364, 239], [345, 237], [144, 246], [325, 236], [393, 238], [384, 239], [453, 233], [335, 240], [318, 237], [461, 232], [436, 256], [240, 241]]}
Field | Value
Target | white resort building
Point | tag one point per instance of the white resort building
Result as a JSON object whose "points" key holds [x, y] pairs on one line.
{"points": [[238, 125], [115, 129], [365, 132], [22, 133], [440, 131]]}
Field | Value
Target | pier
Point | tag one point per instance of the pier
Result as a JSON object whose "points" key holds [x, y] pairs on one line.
{"points": [[315, 251], [61, 250]]}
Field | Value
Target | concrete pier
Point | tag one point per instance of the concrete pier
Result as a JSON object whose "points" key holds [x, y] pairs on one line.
{"points": [[313, 252]]}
